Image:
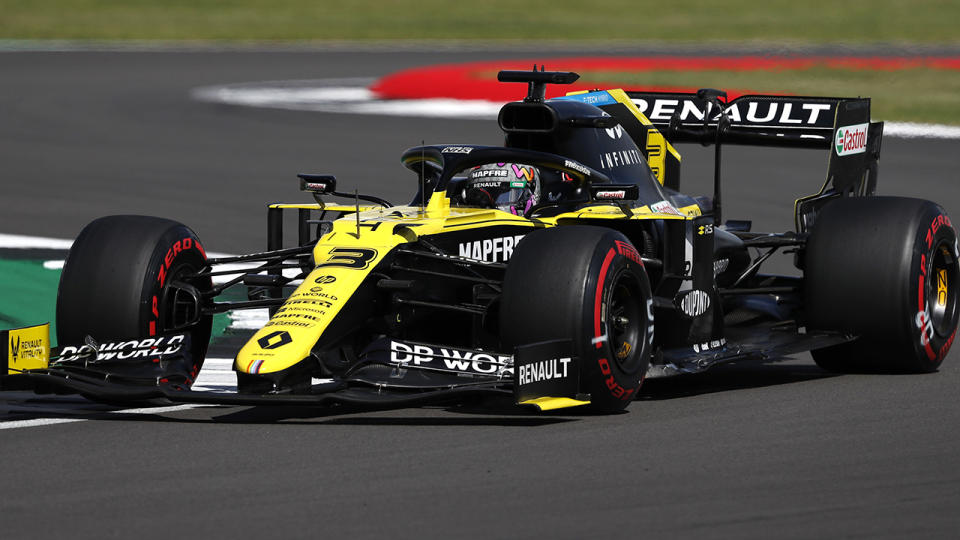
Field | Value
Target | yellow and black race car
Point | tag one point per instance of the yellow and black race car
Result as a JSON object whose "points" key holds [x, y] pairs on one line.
{"points": [[563, 268]]}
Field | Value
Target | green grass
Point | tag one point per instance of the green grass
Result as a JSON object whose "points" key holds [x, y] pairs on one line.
{"points": [[774, 21], [28, 296], [916, 95]]}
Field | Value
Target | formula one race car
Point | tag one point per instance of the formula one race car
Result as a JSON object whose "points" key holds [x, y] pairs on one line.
{"points": [[563, 267]]}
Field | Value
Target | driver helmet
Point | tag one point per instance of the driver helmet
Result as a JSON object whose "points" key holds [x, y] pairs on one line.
{"points": [[511, 187]]}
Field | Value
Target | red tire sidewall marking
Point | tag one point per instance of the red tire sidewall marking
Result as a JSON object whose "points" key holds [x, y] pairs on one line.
{"points": [[598, 298], [611, 266], [931, 346], [175, 252]]}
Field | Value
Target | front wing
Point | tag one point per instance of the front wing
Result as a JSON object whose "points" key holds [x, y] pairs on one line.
{"points": [[542, 375], [389, 375]]}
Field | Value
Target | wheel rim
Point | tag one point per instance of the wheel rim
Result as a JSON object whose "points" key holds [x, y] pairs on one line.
{"points": [[626, 318], [178, 308], [942, 301]]}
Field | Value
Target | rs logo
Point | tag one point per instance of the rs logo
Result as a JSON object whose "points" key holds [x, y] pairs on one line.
{"points": [[358, 258], [275, 340]]}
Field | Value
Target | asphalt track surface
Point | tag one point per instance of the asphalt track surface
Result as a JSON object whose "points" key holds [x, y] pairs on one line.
{"points": [[744, 451]]}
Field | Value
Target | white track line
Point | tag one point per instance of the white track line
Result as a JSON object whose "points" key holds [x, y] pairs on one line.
{"points": [[252, 319], [20, 241], [335, 95], [16, 241], [913, 130], [295, 95], [37, 422], [15, 424], [216, 376], [249, 319]]}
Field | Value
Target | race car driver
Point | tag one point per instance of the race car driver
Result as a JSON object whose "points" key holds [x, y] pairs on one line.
{"points": [[511, 187]]}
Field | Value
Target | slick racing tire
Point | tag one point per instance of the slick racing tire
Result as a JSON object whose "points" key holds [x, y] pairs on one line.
{"points": [[884, 269], [117, 284], [586, 284]]}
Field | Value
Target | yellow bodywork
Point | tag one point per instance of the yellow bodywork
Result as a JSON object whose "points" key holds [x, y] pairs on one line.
{"points": [[344, 258], [551, 403], [346, 255]]}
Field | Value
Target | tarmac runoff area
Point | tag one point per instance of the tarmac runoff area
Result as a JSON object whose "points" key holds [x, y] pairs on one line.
{"points": [[736, 452], [468, 90]]}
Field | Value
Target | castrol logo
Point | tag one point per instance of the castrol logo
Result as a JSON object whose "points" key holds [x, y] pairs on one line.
{"points": [[851, 139]]}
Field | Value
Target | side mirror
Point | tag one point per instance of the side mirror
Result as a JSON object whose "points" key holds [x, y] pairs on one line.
{"points": [[614, 192], [319, 184]]}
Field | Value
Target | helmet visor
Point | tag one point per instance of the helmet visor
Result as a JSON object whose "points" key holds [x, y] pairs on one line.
{"points": [[502, 194]]}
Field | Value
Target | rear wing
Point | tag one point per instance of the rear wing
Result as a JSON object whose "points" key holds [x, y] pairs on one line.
{"points": [[658, 120], [840, 125], [754, 119]]}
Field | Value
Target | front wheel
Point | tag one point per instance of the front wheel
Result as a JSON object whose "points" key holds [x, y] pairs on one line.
{"points": [[588, 285], [123, 279]]}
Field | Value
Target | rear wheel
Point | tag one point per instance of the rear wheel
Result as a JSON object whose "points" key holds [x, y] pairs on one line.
{"points": [[586, 284], [885, 269], [123, 279]]}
